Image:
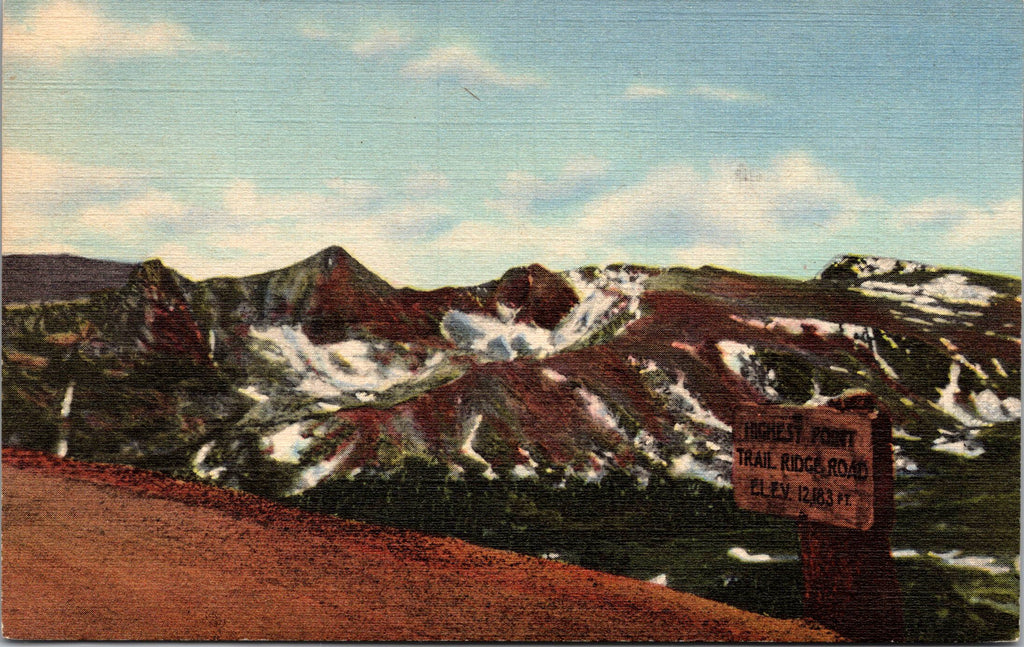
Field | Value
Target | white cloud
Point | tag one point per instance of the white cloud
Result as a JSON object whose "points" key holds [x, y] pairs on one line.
{"points": [[728, 95], [732, 213], [63, 28], [466, 66], [965, 224], [639, 91], [132, 217], [491, 247], [31, 180], [522, 194], [395, 242], [381, 42], [242, 200], [256, 230], [979, 224], [583, 168], [41, 195], [928, 211], [732, 201]]}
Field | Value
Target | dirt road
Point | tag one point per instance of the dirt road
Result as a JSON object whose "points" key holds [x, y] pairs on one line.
{"points": [[99, 552]]}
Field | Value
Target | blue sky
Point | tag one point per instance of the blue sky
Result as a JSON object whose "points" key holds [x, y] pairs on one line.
{"points": [[442, 142]]}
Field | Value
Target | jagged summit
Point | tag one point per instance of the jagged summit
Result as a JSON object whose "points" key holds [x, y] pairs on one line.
{"points": [[330, 261]]}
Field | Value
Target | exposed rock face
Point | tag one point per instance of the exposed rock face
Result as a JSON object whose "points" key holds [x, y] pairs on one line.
{"points": [[536, 295]]}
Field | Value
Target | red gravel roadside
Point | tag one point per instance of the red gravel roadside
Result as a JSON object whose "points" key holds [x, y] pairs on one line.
{"points": [[107, 552]]}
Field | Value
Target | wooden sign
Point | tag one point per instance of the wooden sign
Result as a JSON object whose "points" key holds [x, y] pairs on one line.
{"points": [[803, 463], [830, 468]]}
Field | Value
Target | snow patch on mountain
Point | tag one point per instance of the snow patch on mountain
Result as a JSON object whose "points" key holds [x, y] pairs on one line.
{"points": [[794, 326], [947, 403], [691, 406], [599, 412], [253, 393], [553, 375], [903, 464], [930, 309], [199, 467], [494, 339], [688, 465], [957, 559], [469, 429], [882, 364], [661, 579], [288, 444], [959, 443], [597, 467], [958, 356], [988, 408], [613, 296], [991, 409], [203, 452], [900, 433], [330, 370], [949, 288], [817, 399], [741, 359], [707, 439], [865, 336], [735, 355], [65, 405], [999, 367], [525, 470], [741, 554], [312, 475], [648, 446]]}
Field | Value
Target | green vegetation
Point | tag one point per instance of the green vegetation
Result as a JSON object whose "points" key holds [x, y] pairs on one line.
{"points": [[685, 528]]}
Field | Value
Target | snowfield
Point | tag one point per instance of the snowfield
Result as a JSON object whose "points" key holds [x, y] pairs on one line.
{"points": [[496, 340], [948, 288], [330, 370]]}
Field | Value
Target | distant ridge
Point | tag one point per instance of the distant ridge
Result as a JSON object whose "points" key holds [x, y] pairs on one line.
{"points": [[59, 277]]}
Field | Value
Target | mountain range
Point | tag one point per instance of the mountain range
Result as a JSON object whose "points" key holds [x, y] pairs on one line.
{"points": [[324, 370]]}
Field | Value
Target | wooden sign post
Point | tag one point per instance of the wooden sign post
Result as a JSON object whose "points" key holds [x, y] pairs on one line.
{"points": [[832, 471]]}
